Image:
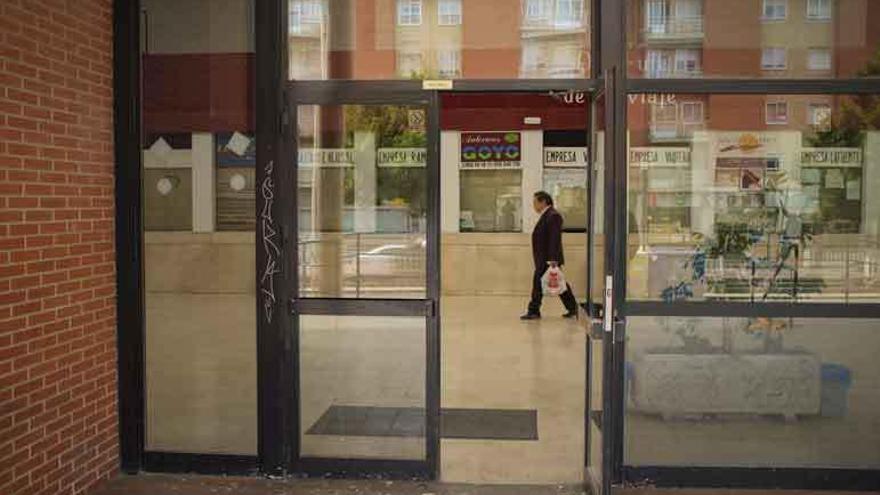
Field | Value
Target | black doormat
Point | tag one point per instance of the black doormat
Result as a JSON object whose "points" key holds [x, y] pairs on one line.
{"points": [[475, 424]]}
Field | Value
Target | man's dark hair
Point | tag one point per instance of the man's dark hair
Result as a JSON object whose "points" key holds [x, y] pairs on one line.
{"points": [[544, 197]]}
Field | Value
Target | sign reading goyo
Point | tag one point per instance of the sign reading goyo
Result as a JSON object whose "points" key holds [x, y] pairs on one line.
{"points": [[491, 150]]}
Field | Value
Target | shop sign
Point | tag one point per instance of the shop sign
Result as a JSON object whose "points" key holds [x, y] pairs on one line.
{"points": [[565, 157], [416, 120], [659, 157], [831, 157], [326, 157], [401, 157], [491, 150], [570, 97]]}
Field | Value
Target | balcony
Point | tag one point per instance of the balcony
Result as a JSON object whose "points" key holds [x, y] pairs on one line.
{"points": [[653, 73], [673, 131], [674, 29]]}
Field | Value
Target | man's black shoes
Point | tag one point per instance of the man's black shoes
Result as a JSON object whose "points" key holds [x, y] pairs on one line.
{"points": [[530, 316]]}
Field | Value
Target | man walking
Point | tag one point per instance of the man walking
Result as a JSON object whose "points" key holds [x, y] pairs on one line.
{"points": [[547, 252]]}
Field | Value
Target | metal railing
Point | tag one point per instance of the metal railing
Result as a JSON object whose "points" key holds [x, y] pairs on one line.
{"points": [[362, 263]]}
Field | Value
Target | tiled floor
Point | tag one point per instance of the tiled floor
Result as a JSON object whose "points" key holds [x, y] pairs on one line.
{"points": [[201, 381]]}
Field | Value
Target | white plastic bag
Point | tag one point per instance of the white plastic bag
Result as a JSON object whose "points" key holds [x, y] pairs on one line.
{"points": [[553, 281]]}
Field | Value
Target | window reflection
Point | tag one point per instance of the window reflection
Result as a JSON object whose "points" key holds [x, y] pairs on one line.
{"points": [[754, 198], [431, 39], [751, 38], [729, 382]]}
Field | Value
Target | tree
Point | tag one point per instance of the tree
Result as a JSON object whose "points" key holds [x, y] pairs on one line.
{"points": [[857, 113], [392, 128]]}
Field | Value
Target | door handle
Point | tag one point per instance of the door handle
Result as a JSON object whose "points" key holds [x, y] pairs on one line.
{"points": [[607, 314]]}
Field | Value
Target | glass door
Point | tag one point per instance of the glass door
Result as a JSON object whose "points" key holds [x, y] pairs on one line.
{"points": [[365, 347]]}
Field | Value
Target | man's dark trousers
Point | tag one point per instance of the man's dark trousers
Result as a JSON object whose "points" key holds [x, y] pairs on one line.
{"points": [[567, 297]]}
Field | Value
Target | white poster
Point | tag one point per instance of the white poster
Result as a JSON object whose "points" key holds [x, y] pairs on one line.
{"points": [[831, 157], [326, 157], [660, 156], [854, 190], [834, 179], [401, 157], [811, 176], [565, 157]]}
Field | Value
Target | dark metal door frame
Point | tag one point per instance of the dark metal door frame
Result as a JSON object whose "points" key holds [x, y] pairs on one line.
{"points": [[363, 93], [391, 93]]}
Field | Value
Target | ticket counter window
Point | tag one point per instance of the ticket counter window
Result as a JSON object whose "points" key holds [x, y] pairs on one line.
{"points": [[491, 201], [565, 176]]}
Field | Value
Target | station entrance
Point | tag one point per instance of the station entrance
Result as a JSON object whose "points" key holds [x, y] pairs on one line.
{"points": [[413, 218]]}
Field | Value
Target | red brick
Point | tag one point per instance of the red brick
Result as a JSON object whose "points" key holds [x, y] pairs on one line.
{"points": [[56, 200]]}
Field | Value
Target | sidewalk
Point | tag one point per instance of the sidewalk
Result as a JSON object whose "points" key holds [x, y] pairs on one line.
{"points": [[162, 484]]}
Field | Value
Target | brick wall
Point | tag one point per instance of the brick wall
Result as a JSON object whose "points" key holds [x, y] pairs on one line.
{"points": [[58, 422]]}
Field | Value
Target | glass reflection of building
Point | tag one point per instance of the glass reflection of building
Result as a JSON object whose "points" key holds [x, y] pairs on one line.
{"points": [[438, 39]]}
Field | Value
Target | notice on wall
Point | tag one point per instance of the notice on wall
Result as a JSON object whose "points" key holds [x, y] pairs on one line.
{"points": [[854, 190], [831, 157], [401, 157], [574, 157], [811, 176], [834, 179], [491, 150], [660, 157], [326, 157]]}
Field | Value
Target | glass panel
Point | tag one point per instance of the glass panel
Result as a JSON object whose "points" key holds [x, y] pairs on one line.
{"points": [[595, 416], [763, 198], [362, 201], [763, 392], [565, 175], [201, 362], [491, 201], [445, 39], [236, 158], [597, 206], [362, 387], [753, 38]]}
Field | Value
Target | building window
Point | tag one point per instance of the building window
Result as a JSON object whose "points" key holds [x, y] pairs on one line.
{"points": [[820, 115], [692, 112], [569, 13], [773, 58], [775, 10], [819, 9], [304, 12], [688, 10], [687, 62], [409, 64], [658, 63], [538, 10], [449, 64], [409, 12], [777, 112], [566, 62], [449, 12], [657, 16], [819, 59]]}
